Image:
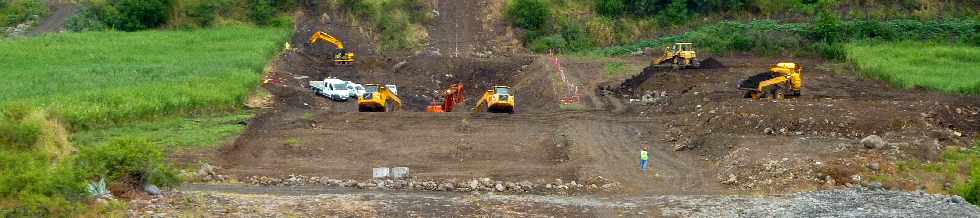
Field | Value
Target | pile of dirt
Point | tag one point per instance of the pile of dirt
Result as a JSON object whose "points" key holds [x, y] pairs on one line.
{"points": [[711, 63]]}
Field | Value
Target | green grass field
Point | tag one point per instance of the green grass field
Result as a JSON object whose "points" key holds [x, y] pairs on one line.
{"points": [[948, 68], [99, 79]]}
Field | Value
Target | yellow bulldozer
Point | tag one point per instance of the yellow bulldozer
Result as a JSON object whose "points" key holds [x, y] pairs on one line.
{"points": [[680, 55], [378, 98], [496, 100], [782, 80], [342, 57]]}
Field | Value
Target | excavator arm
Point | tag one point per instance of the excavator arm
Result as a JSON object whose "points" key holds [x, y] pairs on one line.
{"points": [[321, 36], [341, 58], [772, 82], [481, 104]]}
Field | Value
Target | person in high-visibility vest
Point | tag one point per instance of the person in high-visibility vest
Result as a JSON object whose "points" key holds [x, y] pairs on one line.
{"points": [[644, 159]]}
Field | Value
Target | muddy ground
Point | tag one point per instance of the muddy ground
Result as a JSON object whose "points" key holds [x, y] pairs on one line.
{"points": [[705, 138]]}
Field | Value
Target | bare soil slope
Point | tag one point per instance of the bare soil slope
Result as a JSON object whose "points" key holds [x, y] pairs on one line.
{"points": [[705, 138]]}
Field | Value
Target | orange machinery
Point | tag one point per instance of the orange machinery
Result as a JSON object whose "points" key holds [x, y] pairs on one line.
{"points": [[452, 97]]}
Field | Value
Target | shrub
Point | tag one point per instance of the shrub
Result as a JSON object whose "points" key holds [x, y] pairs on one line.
{"points": [[128, 160], [610, 8], [133, 15], [261, 11], [27, 129], [13, 12], [544, 44], [203, 13], [528, 14], [575, 35], [38, 188], [85, 20]]}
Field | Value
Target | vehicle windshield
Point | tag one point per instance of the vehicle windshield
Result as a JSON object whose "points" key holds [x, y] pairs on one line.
{"points": [[502, 91], [371, 88], [340, 86]]}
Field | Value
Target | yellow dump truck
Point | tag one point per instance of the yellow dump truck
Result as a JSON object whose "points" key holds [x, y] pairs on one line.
{"points": [[496, 100], [378, 98], [783, 79]]}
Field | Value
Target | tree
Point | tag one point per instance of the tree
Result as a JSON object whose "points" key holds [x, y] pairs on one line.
{"points": [[134, 15], [528, 14]]}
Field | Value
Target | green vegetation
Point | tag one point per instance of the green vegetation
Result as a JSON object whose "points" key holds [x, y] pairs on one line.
{"points": [[13, 12], [949, 68], [768, 36], [171, 132], [93, 82], [397, 24], [135, 15], [41, 178], [581, 25], [959, 167], [124, 95]]}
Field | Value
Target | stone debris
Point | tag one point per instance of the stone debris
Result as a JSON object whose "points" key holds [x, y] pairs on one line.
{"points": [[595, 184]]}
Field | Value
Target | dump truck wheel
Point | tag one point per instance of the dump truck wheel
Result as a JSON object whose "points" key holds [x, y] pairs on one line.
{"points": [[777, 93], [749, 94]]}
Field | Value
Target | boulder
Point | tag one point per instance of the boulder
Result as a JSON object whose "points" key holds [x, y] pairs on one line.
{"points": [[874, 166], [473, 184], [873, 142], [151, 189]]}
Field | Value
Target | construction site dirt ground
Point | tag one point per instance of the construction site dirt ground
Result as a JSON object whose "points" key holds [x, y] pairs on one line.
{"points": [[705, 137]]}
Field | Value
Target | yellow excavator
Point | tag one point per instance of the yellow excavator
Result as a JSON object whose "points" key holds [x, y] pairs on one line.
{"points": [[680, 55], [783, 79], [378, 98], [496, 100], [343, 57]]}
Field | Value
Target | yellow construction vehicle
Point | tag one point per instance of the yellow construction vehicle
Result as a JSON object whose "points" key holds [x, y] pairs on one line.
{"points": [[343, 57], [680, 55], [783, 79], [378, 98], [496, 100]]}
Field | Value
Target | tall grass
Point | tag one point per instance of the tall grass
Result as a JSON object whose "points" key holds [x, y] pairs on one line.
{"points": [[96, 79], [948, 68]]}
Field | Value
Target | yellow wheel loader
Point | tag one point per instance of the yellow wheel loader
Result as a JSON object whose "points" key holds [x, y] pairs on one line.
{"points": [[496, 100], [378, 98], [782, 80], [680, 55], [342, 57]]}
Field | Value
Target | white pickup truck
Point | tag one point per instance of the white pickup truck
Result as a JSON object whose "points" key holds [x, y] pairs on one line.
{"points": [[335, 89]]}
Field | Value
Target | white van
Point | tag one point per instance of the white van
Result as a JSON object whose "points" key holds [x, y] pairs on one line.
{"points": [[333, 89]]}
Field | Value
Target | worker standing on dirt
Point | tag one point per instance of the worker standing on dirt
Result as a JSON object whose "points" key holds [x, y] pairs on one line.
{"points": [[644, 158]]}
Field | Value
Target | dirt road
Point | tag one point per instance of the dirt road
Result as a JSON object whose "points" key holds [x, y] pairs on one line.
{"points": [[60, 12]]}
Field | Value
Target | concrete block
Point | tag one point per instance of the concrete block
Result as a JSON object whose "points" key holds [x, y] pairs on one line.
{"points": [[381, 172], [399, 172]]}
